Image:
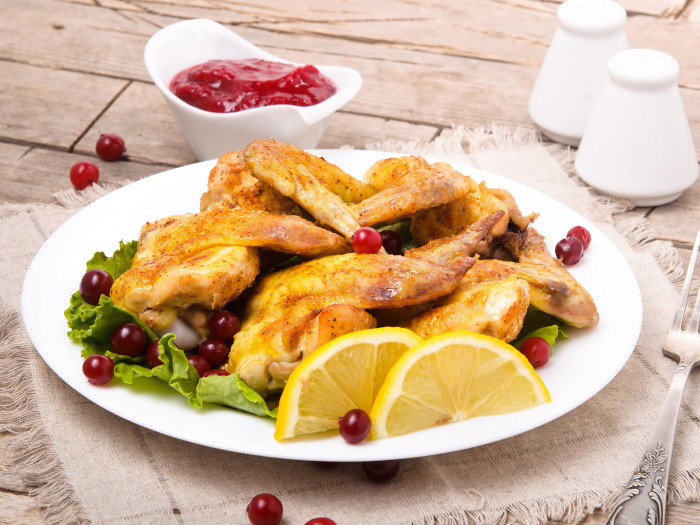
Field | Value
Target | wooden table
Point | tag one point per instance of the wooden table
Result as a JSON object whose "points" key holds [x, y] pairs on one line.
{"points": [[72, 69]]}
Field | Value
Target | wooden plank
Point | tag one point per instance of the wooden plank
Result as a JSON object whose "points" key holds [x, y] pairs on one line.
{"points": [[85, 38], [36, 175], [657, 8], [142, 118], [360, 131], [51, 107], [678, 38], [679, 221], [17, 509]]}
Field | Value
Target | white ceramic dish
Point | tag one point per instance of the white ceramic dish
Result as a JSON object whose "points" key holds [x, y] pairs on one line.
{"points": [[573, 72], [638, 144], [192, 42], [579, 368]]}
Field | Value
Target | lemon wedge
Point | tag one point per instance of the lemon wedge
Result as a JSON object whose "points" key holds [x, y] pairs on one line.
{"points": [[453, 377], [343, 374]]}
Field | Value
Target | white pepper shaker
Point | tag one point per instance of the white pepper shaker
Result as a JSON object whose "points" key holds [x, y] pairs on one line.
{"points": [[574, 71], [638, 144]]}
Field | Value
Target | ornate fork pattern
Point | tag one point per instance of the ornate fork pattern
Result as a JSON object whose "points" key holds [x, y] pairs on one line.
{"points": [[644, 500]]}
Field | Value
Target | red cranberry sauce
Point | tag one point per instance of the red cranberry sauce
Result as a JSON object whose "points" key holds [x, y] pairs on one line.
{"points": [[226, 86]]}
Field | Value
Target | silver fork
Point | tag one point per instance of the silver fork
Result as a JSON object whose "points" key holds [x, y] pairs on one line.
{"points": [[643, 501]]}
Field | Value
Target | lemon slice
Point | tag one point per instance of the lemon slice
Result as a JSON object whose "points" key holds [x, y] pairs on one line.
{"points": [[452, 377], [341, 375]]}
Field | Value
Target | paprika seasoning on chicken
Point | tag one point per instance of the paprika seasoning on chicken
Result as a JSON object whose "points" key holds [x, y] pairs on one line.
{"points": [[226, 86]]}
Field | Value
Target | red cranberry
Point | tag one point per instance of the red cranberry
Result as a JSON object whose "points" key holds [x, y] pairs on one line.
{"points": [[569, 250], [537, 351], [200, 364], [110, 146], [265, 509], [582, 234], [381, 471], [355, 425], [83, 174], [99, 369], [366, 240]]}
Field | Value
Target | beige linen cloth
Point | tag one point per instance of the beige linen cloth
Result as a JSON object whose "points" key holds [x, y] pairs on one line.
{"points": [[88, 465]]}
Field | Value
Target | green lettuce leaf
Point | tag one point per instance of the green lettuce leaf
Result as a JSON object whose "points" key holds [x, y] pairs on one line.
{"points": [[540, 324], [231, 391], [176, 370], [91, 326], [118, 263]]}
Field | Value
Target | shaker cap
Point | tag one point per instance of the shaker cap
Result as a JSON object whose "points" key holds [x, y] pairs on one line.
{"points": [[643, 69], [592, 17]]}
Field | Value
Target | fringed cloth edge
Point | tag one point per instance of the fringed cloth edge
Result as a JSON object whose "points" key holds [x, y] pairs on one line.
{"points": [[32, 447]]}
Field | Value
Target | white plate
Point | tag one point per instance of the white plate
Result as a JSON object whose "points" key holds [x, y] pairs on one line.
{"points": [[579, 368]]}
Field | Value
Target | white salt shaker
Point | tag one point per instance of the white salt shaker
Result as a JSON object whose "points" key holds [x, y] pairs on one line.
{"points": [[573, 72], [638, 143]]}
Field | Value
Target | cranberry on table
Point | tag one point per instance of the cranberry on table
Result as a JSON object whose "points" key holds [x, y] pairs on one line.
{"points": [[216, 372], [200, 364], [152, 355], [95, 283], [83, 174], [391, 241], [320, 521], [224, 325], [110, 146], [214, 351], [582, 234], [569, 250], [381, 471], [536, 350], [355, 425], [265, 509], [99, 369], [128, 339], [366, 240]]}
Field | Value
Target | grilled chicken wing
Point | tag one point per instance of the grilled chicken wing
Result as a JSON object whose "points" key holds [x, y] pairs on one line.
{"points": [[287, 310], [408, 185], [552, 290], [209, 258], [496, 309], [493, 297], [454, 216], [231, 185], [319, 187]]}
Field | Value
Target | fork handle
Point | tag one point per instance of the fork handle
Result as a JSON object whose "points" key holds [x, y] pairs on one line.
{"points": [[644, 499]]}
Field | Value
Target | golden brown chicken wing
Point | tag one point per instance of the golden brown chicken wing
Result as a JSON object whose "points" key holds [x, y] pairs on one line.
{"points": [[408, 185], [275, 323], [319, 187], [496, 309], [209, 258], [493, 297], [231, 185]]}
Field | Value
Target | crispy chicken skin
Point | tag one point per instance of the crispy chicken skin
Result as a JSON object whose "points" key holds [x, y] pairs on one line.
{"points": [[409, 184], [231, 185], [453, 216], [210, 258], [552, 290], [496, 309], [493, 297], [319, 187], [275, 322]]}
